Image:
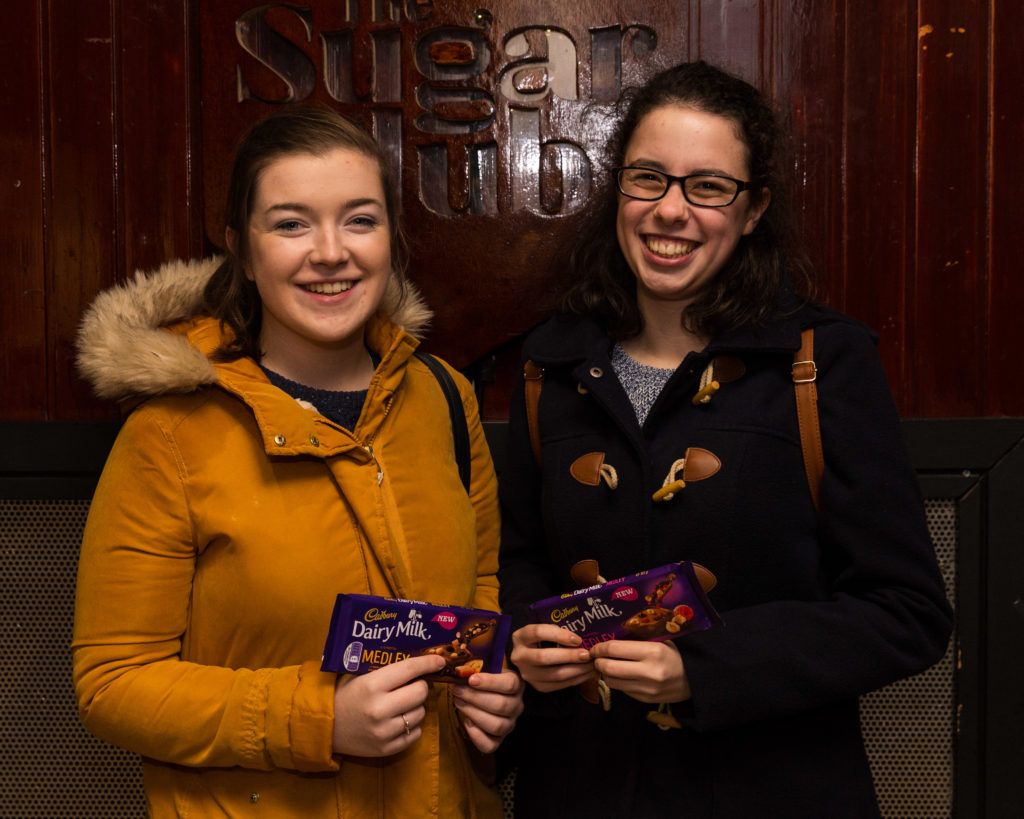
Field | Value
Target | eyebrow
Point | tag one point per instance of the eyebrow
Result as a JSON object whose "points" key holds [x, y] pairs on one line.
{"points": [[654, 165], [349, 205]]}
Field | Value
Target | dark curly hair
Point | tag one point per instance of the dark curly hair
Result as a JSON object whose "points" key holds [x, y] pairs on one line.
{"points": [[766, 265], [230, 295]]}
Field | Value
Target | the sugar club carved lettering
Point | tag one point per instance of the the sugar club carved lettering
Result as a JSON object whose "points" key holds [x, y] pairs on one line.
{"points": [[465, 80]]}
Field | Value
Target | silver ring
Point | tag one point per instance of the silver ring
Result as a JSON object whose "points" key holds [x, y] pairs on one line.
{"points": [[404, 720]]}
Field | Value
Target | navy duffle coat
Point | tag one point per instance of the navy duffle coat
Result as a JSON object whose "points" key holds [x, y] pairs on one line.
{"points": [[819, 607]]}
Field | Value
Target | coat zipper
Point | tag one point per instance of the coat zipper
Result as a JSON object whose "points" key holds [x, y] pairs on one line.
{"points": [[380, 472], [368, 447]]}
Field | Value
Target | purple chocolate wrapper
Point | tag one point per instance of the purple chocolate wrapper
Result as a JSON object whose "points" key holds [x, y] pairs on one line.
{"points": [[369, 632], [659, 604]]}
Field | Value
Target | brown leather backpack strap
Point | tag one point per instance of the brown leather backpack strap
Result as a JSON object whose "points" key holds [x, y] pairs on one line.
{"points": [[534, 380], [805, 374]]}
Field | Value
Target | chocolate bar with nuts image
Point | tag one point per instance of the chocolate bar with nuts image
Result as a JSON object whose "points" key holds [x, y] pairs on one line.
{"points": [[369, 632], [659, 604]]}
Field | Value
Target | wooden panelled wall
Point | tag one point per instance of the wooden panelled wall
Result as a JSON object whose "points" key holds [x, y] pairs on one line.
{"points": [[116, 118]]}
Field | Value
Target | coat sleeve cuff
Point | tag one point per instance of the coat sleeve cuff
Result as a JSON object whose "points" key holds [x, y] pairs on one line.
{"points": [[300, 722]]}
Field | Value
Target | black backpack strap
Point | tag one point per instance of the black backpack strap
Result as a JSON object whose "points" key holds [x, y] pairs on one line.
{"points": [[460, 429]]}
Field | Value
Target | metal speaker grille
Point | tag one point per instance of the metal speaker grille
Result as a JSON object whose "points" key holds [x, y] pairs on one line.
{"points": [[908, 726], [507, 792], [49, 765]]}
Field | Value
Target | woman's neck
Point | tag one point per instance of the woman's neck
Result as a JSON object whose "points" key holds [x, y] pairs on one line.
{"points": [[664, 341], [337, 369]]}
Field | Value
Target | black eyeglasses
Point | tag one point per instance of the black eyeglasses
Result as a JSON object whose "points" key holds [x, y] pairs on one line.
{"points": [[704, 190]]}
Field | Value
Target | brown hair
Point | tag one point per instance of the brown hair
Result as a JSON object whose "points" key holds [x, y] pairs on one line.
{"points": [[230, 295], [756, 280]]}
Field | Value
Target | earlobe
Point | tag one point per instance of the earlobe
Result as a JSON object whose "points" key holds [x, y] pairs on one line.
{"points": [[757, 211], [231, 240]]}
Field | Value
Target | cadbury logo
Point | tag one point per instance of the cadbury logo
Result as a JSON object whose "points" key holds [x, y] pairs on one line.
{"points": [[375, 615], [558, 615]]}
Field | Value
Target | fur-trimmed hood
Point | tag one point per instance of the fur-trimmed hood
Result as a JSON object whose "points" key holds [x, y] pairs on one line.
{"points": [[125, 350]]}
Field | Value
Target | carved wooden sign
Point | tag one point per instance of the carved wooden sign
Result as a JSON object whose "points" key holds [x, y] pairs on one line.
{"points": [[493, 117]]}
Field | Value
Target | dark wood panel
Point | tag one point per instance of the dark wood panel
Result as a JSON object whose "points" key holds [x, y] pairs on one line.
{"points": [[22, 309], [906, 158], [878, 196], [731, 35], [947, 318], [806, 59], [83, 235], [161, 212], [1004, 390]]}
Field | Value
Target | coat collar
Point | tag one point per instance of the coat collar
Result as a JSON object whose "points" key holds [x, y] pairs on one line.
{"points": [[568, 339], [127, 351], [147, 338], [291, 427]]}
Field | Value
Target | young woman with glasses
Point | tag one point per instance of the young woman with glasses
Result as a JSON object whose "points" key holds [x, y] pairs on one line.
{"points": [[678, 337]]}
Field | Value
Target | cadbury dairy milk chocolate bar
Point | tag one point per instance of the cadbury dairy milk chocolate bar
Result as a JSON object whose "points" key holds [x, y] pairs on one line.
{"points": [[369, 632], [659, 604]]}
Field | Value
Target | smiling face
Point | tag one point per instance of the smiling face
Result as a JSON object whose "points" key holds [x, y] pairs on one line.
{"points": [[675, 249], [319, 252]]}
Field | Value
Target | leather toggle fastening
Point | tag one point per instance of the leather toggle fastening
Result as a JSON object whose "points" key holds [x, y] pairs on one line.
{"points": [[590, 470], [586, 573], [695, 465], [727, 368], [721, 370]]}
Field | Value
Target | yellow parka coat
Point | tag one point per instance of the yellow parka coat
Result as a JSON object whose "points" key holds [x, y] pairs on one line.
{"points": [[226, 520]]}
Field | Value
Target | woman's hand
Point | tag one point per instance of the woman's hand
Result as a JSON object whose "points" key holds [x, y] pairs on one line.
{"points": [[489, 706], [379, 714], [647, 671], [550, 668]]}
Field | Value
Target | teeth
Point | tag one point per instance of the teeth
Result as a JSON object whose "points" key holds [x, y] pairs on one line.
{"points": [[328, 288], [670, 247]]}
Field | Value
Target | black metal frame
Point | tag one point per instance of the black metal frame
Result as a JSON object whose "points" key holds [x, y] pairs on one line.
{"points": [[53, 459], [977, 463]]}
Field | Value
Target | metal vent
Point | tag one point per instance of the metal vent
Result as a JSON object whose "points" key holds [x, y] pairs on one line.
{"points": [[908, 726], [507, 792], [49, 765]]}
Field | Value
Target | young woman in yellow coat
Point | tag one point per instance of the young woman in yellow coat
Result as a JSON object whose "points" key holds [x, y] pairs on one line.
{"points": [[286, 446]]}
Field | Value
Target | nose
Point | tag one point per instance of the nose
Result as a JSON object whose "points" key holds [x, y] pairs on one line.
{"points": [[673, 207], [328, 247]]}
